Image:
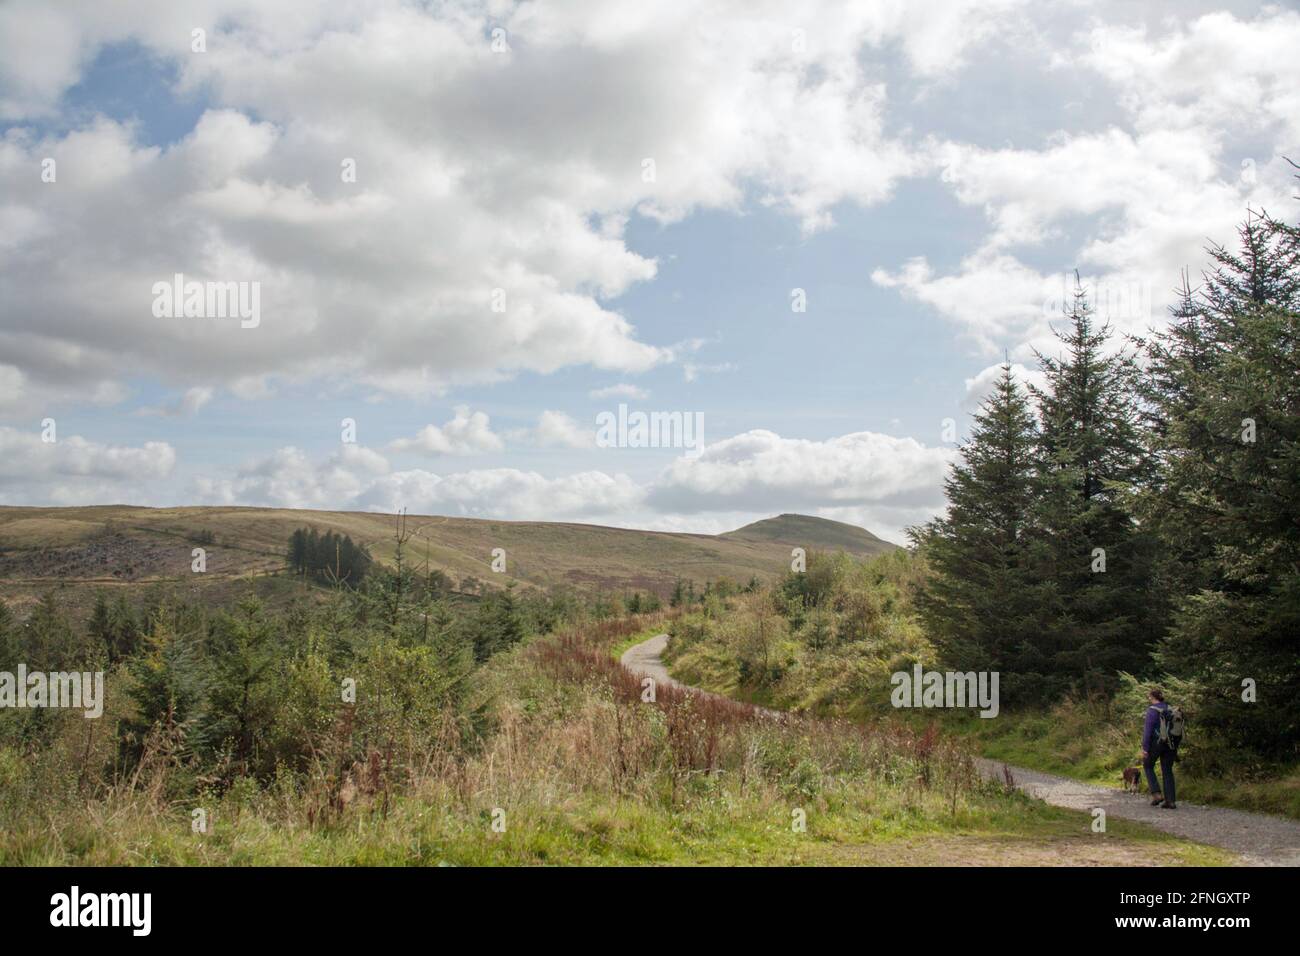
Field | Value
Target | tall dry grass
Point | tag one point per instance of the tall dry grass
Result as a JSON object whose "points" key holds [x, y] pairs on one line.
{"points": [[562, 747]]}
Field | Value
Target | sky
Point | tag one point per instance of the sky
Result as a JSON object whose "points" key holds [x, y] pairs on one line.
{"points": [[473, 230]]}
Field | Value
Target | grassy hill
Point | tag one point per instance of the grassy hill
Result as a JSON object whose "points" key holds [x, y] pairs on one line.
{"points": [[82, 549], [813, 534]]}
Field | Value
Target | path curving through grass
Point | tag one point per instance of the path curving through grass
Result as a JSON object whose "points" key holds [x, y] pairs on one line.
{"points": [[1258, 839]]}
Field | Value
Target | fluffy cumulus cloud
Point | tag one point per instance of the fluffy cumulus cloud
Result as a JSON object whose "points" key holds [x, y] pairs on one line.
{"points": [[288, 478], [357, 478], [501, 492], [558, 429], [1219, 69], [468, 433], [1133, 205], [761, 471], [72, 470], [476, 241]]}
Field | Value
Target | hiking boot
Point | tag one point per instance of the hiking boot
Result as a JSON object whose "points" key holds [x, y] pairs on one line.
{"points": [[1168, 806], [1157, 801]]}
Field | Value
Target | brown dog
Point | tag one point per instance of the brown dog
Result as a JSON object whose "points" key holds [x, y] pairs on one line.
{"points": [[1133, 779]]}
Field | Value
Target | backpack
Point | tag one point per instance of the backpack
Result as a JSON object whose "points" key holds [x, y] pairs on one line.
{"points": [[1171, 727]]}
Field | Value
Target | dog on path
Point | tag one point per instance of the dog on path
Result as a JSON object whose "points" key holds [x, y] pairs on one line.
{"points": [[1133, 779]]}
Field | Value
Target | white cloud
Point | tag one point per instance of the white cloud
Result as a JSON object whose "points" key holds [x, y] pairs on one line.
{"points": [[504, 493], [1131, 206], [72, 470], [24, 454], [468, 433], [41, 55], [761, 471], [557, 428], [1215, 70], [936, 42], [981, 386], [1148, 204], [992, 297], [621, 390], [289, 479], [389, 282]]}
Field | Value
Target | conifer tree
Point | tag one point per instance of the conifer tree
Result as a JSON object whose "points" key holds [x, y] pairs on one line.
{"points": [[1227, 389], [123, 630], [297, 553], [242, 652], [1092, 458], [99, 626], [979, 605]]}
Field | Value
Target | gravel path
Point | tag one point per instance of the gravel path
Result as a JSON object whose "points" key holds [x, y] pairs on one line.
{"points": [[1260, 840], [644, 660]]}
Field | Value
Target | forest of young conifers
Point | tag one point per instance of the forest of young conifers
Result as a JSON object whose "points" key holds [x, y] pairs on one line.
{"points": [[252, 692], [1140, 511]]}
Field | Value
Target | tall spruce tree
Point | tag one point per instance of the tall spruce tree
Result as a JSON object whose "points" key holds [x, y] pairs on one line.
{"points": [[1174, 361], [980, 604], [1226, 387], [297, 552], [100, 626], [243, 651], [1092, 457]]}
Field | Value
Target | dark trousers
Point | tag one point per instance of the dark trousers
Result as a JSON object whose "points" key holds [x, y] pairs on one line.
{"points": [[1166, 757]]}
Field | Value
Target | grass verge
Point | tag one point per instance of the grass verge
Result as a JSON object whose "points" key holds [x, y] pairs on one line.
{"points": [[569, 766]]}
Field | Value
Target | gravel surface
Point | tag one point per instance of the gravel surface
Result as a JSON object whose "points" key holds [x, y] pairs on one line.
{"points": [[1261, 840], [644, 660]]}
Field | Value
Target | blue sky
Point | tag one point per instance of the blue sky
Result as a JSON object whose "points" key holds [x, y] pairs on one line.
{"points": [[925, 181]]}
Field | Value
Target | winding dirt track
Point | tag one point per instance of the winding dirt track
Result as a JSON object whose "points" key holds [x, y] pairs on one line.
{"points": [[643, 660], [1259, 839]]}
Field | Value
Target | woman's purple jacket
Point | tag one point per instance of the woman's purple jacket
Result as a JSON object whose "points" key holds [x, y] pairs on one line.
{"points": [[1151, 732]]}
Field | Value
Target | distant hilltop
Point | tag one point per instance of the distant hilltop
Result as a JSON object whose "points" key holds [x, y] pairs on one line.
{"points": [[813, 534]]}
